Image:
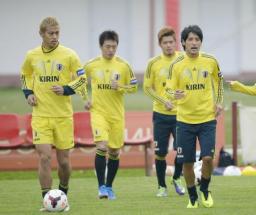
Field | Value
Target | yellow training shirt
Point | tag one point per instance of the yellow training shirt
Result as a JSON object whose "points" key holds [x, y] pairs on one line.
{"points": [[42, 70], [202, 82], [155, 82], [105, 100], [239, 87]]}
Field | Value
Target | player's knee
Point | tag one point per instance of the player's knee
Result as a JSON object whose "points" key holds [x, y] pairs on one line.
{"points": [[207, 159], [161, 153], [101, 146], [113, 154], [45, 159], [64, 164]]}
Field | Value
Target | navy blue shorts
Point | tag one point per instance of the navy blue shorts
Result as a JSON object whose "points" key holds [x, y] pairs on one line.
{"points": [[186, 137], [164, 126]]}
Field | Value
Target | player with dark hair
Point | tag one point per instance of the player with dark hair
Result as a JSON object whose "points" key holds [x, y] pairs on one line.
{"points": [[111, 77], [197, 84], [164, 111], [50, 74]]}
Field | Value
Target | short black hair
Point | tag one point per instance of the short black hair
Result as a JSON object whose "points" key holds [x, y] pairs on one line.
{"points": [[108, 35], [191, 28]]}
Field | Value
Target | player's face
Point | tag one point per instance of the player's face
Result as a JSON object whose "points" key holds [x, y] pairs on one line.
{"points": [[168, 45], [50, 36], [108, 49], [192, 45]]}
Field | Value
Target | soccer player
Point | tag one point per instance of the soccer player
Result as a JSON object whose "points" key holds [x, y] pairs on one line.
{"points": [[197, 84], [164, 112], [111, 77], [50, 73], [239, 87]]}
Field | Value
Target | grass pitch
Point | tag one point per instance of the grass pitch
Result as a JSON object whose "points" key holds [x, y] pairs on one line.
{"points": [[135, 195]]}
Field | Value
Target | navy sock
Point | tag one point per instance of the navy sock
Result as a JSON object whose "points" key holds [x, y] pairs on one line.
{"points": [[113, 165], [100, 167], [160, 172], [177, 170], [192, 194], [63, 188]]}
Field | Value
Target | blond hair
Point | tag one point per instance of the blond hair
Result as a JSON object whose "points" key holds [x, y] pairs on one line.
{"points": [[48, 21], [166, 31]]}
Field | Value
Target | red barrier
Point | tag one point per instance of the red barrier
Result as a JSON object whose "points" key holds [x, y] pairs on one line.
{"points": [[138, 125]]}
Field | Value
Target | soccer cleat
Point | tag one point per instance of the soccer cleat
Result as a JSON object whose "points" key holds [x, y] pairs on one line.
{"points": [[206, 198], [178, 186], [192, 206], [162, 192], [103, 194], [111, 194]]}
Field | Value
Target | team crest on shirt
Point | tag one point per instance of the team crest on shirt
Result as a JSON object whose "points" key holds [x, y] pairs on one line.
{"points": [[115, 75], [205, 74], [59, 67]]}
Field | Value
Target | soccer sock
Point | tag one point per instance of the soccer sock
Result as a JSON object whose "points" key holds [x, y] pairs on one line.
{"points": [[63, 188], [44, 191], [192, 194], [177, 169], [113, 165], [100, 166], [204, 186], [160, 163]]}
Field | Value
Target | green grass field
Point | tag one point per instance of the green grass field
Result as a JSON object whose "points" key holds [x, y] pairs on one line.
{"points": [[135, 195], [20, 191]]}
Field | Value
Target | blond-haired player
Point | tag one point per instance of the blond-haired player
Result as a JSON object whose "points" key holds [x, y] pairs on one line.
{"points": [[164, 111], [111, 77], [50, 73]]}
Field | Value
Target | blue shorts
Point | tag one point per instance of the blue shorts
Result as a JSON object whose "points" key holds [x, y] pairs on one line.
{"points": [[164, 125], [186, 137]]}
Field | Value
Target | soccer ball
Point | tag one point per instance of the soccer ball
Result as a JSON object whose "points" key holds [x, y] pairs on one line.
{"points": [[232, 171], [55, 200]]}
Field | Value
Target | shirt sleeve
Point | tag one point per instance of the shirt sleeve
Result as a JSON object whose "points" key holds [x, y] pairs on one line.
{"points": [[218, 84], [239, 87], [79, 84], [148, 86], [171, 83], [27, 79], [131, 83]]}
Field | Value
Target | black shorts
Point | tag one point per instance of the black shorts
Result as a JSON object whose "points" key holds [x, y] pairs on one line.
{"points": [[164, 125], [186, 137]]}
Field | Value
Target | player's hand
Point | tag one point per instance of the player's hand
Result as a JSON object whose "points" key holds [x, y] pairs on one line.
{"points": [[229, 82], [179, 94], [88, 105], [58, 90], [218, 110], [114, 84], [168, 105], [32, 101]]}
